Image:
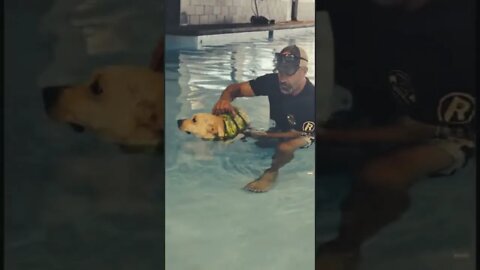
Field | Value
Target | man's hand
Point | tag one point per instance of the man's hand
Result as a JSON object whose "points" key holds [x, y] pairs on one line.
{"points": [[223, 106], [233, 91]]}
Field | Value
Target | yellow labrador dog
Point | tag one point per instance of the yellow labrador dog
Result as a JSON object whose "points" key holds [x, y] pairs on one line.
{"points": [[121, 104], [208, 126]]}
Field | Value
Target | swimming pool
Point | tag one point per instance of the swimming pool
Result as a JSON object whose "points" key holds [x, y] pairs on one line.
{"points": [[211, 223]]}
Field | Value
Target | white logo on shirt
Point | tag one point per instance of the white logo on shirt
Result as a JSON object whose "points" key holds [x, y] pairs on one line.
{"points": [[291, 120], [456, 108], [308, 126], [402, 86]]}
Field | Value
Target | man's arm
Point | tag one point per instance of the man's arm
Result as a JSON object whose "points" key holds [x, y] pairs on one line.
{"points": [[406, 130], [235, 90], [224, 103], [275, 135]]}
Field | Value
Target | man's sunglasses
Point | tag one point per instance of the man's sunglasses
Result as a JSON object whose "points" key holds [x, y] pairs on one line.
{"points": [[287, 63]]}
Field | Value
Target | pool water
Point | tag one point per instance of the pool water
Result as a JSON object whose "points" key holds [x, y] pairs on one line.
{"points": [[211, 222]]}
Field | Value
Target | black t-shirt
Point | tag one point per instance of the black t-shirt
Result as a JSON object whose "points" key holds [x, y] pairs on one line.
{"points": [[288, 112], [418, 63]]}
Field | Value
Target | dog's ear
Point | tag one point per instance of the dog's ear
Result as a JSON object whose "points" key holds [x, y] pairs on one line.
{"points": [[212, 129], [219, 131]]}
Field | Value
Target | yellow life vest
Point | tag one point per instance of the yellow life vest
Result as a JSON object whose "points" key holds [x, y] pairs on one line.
{"points": [[233, 125]]}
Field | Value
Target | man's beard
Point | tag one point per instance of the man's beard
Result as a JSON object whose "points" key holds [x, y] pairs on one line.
{"points": [[286, 89]]}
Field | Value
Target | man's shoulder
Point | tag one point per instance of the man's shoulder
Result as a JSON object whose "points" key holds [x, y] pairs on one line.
{"points": [[263, 85], [265, 77], [269, 76]]}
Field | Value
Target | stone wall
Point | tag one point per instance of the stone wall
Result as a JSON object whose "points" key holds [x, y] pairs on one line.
{"points": [[239, 11]]}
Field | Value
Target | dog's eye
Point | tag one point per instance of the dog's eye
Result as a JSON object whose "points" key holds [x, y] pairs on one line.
{"points": [[188, 132], [96, 88], [194, 119]]}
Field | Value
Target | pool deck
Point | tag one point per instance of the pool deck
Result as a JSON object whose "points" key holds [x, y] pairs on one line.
{"points": [[196, 36], [216, 29]]}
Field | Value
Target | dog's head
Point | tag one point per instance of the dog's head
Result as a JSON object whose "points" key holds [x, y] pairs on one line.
{"points": [[203, 125], [124, 105], [208, 126]]}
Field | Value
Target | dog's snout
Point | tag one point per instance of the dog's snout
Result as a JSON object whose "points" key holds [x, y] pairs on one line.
{"points": [[179, 122], [50, 96]]}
